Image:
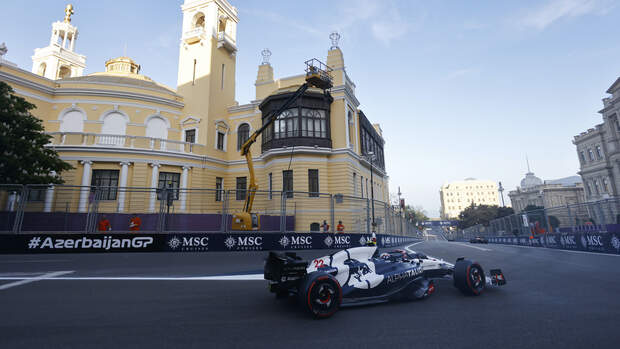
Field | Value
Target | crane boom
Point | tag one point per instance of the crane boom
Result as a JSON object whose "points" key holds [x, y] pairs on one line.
{"points": [[245, 148], [317, 74]]}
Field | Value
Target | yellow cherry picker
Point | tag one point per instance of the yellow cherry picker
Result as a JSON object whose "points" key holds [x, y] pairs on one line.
{"points": [[317, 75]]}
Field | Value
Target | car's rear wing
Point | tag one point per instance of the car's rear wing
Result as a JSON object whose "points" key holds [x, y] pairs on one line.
{"points": [[280, 267]]}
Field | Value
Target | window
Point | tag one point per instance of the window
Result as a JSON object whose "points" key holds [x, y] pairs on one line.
{"points": [[241, 188], [219, 187], [354, 184], [313, 123], [169, 180], [591, 154], [362, 186], [243, 133], [107, 180], [270, 185], [220, 140], [194, 73], [223, 73], [287, 183], [114, 126], [313, 183], [36, 194], [72, 121], [286, 124], [190, 136], [582, 156], [599, 153]]}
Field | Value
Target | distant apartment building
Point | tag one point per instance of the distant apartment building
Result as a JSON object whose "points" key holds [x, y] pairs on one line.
{"points": [[598, 150], [550, 193], [458, 195]]}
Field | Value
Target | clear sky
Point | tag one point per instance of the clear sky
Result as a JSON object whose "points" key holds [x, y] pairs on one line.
{"points": [[460, 88]]}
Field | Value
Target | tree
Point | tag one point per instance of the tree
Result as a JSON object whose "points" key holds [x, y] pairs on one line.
{"points": [[415, 215], [504, 211], [474, 215], [24, 158]]}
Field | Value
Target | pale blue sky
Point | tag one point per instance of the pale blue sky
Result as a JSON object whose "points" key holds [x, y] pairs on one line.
{"points": [[460, 88]]}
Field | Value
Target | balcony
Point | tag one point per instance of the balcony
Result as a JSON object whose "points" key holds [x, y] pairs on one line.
{"points": [[193, 36], [84, 140], [225, 41]]}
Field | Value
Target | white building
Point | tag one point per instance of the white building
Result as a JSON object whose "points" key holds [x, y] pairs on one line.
{"points": [[598, 150], [457, 196]]}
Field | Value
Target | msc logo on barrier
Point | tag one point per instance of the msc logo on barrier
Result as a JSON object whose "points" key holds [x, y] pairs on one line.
{"points": [[338, 241], [244, 243], [194, 243], [297, 242], [615, 242]]}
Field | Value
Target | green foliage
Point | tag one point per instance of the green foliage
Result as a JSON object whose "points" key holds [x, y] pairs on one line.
{"points": [[415, 215], [504, 211], [482, 214], [24, 159], [474, 215]]}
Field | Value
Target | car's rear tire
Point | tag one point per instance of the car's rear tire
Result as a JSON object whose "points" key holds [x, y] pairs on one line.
{"points": [[469, 277], [321, 295]]}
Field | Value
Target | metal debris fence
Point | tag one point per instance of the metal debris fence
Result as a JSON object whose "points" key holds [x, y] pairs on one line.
{"points": [[575, 217], [78, 209]]}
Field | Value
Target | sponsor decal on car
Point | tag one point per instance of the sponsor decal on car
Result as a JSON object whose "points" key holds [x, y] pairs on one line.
{"points": [[100, 243], [411, 273]]}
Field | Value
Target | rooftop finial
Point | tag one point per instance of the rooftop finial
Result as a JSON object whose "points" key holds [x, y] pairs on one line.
{"points": [[334, 36], [3, 50], [528, 163], [266, 55], [68, 12]]}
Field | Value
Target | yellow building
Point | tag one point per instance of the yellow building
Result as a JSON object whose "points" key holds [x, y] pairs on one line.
{"points": [[120, 128], [458, 195]]}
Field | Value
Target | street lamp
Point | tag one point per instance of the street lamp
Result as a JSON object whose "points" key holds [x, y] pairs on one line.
{"points": [[501, 191], [370, 156]]}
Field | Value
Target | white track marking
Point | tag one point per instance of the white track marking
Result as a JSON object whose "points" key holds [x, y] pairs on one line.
{"points": [[476, 247], [23, 281], [37, 261], [408, 249], [133, 278], [559, 249]]}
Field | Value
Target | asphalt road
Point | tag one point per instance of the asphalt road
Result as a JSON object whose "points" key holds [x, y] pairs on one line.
{"points": [[553, 299]]}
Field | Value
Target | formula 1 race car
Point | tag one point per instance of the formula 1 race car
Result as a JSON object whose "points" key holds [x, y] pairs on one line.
{"points": [[359, 275], [479, 240]]}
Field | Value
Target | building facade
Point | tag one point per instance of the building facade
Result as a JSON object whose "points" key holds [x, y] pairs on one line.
{"points": [[120, 128], [458, 195], [598, 150], [550, 193]]}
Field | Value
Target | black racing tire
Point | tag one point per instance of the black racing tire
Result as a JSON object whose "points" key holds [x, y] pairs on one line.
{"points": [[321, 295], [469, 277]]}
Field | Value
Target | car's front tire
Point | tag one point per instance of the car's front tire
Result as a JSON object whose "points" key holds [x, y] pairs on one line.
{"points": [[469, 277], [321, 295]]}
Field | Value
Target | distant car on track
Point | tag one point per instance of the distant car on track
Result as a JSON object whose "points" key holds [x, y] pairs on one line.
{"points": [[479, 240], [361, 275]]}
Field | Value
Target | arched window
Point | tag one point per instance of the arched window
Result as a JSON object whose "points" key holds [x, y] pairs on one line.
{"points": [[157, 128], [72, 121], [199, 20], [42, 69], [222, 24], [286, 124], [64, 72], [313, 123], [114, 126], [243, 133]]}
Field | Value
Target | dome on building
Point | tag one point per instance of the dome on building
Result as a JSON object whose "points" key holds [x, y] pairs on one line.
{"points": [[530, 181]]}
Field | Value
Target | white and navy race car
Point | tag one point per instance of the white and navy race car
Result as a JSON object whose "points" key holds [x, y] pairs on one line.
{"points": [[361, 275]]}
